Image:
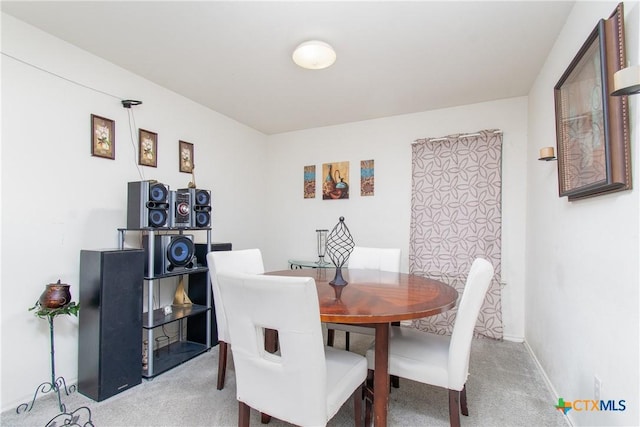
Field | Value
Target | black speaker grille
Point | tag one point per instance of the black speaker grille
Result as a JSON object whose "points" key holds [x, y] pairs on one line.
{"points": [[202, 197], [180, 251], [202, 219], [158, 193], [157, 217]]}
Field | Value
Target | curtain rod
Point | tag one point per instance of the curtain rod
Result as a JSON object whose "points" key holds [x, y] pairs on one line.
{"points": [[464, 135]]}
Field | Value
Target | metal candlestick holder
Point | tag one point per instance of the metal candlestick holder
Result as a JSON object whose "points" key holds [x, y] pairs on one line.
{"points": [[322, 247], [339, 246]]}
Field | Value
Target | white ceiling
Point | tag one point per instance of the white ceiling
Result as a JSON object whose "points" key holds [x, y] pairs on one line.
{"points": [[393, 57]]}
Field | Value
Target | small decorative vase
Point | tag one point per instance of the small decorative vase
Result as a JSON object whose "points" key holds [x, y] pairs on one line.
{"points": [[322, 246], [342, 188], [339, 246], [329, 185], [55, 295], [337, 289]]}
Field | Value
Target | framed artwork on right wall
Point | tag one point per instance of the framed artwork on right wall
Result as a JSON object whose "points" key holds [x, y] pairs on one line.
{"points": [[592, 126]]}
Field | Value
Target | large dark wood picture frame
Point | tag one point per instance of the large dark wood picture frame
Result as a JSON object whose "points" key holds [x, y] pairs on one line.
{"points": [[592, 127]]}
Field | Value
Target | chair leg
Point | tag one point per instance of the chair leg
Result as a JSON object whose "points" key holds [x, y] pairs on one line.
{"points": [[222, 364], [346, 341], [265, 418], [243, 414], [454, 408], [367, 395], [368, 413], [369, 381], [357, 405], [271, 342], [330, 336], [463, 401], [395, 381]]}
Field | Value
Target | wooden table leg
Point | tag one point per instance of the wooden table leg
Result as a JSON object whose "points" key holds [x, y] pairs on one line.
{"points": [[381, 377], [271, 345]]}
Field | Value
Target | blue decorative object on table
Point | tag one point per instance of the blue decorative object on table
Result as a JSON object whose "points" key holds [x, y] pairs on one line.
{"points": [[339, 246]]}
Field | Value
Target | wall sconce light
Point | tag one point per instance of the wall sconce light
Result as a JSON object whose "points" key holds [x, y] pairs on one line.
{"points": [[314, 55], [547, 154], [626, 81]]}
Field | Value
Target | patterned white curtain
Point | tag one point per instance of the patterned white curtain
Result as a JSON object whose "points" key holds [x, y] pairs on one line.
{"points": [[456, 217]]}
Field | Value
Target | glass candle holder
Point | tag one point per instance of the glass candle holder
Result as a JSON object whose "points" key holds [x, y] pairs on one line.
{"points": [[322, 246]]}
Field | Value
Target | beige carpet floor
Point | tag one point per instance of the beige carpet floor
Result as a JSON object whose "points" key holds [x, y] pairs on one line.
{"points": [[505, 388]]}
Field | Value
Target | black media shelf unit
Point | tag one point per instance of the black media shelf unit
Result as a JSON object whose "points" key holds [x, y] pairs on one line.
{"points": [[172, 355], [197, 269], [197, 317], [159, 318]]}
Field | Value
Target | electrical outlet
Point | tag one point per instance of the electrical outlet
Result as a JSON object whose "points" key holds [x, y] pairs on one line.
{"points": [[597, 387]]}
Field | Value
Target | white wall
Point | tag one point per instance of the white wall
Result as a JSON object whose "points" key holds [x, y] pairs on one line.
{"points": [[383, 220], [582, 257], [57, 199]]}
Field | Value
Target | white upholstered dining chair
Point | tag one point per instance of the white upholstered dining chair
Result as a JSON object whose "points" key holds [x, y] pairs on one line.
{"points": [[437, 359], [304, 383], [382, 259], [240, 261]]}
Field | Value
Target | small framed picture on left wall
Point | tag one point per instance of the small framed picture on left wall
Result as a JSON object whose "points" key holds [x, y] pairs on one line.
{"points": [[147, 148], [103, 137], [185, 152]]}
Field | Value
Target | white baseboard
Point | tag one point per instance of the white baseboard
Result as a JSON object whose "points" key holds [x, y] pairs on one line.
{"points": [[552, 390], [512, 338]]}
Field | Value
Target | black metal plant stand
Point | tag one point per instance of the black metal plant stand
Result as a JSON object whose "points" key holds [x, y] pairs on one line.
{"points": [[59, 383], [56, 383]]}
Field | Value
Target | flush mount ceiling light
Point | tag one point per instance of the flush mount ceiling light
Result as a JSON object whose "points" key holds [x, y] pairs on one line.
{"points": [[314, 55]]}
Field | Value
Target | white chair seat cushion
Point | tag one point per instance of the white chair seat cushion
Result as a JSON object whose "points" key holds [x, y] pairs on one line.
{"points": [[417, 355], [346, 371], [366, 330]]}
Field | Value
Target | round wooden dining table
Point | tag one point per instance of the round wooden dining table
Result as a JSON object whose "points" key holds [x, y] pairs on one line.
{"points": [[377, 298]]}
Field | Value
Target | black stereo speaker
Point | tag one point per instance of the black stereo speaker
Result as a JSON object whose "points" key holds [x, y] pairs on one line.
{"points": [[110, 322], [181, 212], [201, 202], [195, 330], [201, 250], [171, 253], [148, 205]]}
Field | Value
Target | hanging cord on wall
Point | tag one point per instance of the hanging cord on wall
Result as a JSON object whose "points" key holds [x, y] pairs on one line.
{"points": [[126, 103], [61, 77], [132, 138]]}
